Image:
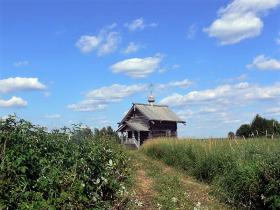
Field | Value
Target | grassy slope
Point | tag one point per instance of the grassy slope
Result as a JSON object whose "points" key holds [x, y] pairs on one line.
{"points": [[244, 173]]}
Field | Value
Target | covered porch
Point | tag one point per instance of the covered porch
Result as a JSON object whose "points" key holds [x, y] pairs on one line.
{"points": [[133, 133]]}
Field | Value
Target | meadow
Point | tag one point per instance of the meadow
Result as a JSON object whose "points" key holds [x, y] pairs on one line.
{"points": [[76, 168], [242, 173]]}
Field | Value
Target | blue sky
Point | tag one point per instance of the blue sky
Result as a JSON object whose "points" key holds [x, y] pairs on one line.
{"points": [[215, 63]]}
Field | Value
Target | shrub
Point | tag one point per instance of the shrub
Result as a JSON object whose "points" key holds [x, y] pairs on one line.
{"points": [[41, 170]]}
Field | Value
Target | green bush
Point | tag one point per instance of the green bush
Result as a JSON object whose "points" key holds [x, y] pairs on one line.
{"points": [[259, 127], [243, 173], [42, 170]]}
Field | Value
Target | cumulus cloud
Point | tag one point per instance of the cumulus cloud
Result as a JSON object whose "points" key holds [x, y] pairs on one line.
{"points": [[139, 24], [225, 94], [13, 102], [20, 84], [131, 48], [239, 20], [115, 92], [181, 84], [105, 42], [87, 106], [137, 67], [88, 43], [110, 44], [264, 63], [21, 63], [98, 99]]}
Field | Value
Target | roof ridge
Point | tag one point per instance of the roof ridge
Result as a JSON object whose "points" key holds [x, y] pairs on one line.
{"points": [[150, 105]]}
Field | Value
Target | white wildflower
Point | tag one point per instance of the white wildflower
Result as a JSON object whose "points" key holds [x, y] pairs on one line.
{"points": [[174, 200]]}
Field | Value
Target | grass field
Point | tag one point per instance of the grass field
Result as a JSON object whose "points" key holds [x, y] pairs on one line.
{"points": [[243, 173]]}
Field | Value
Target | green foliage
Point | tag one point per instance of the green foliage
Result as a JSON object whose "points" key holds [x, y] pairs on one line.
{"points": [[107, 132], [243, 173], [64, 169], [259, 127], [231, 135], [244, 131]]}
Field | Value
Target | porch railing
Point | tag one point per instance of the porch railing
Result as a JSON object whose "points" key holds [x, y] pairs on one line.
{"points": [[131, 141]]}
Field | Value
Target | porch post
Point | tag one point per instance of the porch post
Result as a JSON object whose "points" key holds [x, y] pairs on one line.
{"points": [[139, 138]]}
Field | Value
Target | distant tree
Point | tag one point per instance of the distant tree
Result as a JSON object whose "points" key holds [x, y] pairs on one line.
{"points": [[231, 135], [106, 133], [276, 128], [260, 126], [244, 131], [80, 133]]}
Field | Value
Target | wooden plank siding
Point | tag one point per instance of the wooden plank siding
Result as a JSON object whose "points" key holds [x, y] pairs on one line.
{"points": [[163, 128], [137, 116]]}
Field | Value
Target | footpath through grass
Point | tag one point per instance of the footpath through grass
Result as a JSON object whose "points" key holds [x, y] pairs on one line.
{"points": [[158, 186], [244, 173]]}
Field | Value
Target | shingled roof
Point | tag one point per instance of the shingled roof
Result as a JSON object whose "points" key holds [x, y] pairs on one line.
{"points": [[135, 126], [156, 112]]}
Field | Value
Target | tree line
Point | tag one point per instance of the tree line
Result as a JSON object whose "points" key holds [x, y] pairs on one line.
{"points": [[259, 127]]}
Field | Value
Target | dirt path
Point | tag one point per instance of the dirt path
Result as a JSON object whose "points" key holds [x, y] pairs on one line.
{"points": [[158, 186]]}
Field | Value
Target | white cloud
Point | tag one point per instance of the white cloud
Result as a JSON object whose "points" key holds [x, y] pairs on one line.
{"points": [[115, 92], [264, 63], [139, 24], [88, 43], [132, 48], [87, 106], [98, 99], [107, 41], [137, 67], [21, 63], [225, 95], [20, 84], [167, 68], [13, 102], [191, 32], [182, 84], [110, 44], [239, 78], [239, 20], [53, 116]]}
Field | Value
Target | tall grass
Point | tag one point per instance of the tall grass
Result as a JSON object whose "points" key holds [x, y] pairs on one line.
{"points": [[244, 173]]}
